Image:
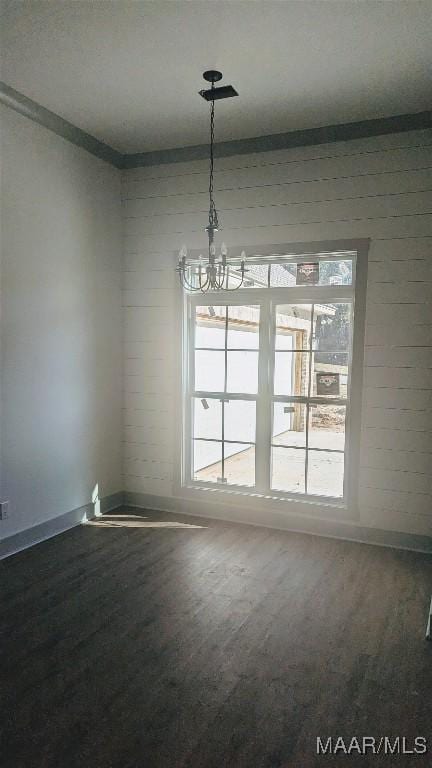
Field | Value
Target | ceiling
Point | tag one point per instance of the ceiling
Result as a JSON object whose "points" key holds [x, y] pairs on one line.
{"points": [[128, 72]]}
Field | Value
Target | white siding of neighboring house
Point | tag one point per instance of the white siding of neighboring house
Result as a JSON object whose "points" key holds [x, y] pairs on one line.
{"points": [[378, 188]]}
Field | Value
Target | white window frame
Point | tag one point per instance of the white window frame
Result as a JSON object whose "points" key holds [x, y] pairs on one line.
{"points": [[267, 299]]}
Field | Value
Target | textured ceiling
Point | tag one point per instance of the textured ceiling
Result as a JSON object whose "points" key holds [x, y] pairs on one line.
{"points": [[129, 72]]}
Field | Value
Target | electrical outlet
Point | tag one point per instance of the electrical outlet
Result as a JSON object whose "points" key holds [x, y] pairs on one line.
{"points": [[4, 510]]}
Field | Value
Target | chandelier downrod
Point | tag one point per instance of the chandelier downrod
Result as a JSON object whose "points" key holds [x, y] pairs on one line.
{"points": [[213, 224]]}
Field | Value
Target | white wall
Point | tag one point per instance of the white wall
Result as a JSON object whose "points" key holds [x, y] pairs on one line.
{"points": [[60, 325], [378, 188]]}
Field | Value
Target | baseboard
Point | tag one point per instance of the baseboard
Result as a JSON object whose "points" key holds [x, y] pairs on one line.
{"points": [[348, 531], [49, 528]]}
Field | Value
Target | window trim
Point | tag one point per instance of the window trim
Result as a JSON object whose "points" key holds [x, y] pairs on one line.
{"points": [[356, 294]]}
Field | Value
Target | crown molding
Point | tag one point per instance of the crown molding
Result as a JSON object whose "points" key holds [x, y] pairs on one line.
{"points": [[34, 111], [326, 135], [302, 138]]}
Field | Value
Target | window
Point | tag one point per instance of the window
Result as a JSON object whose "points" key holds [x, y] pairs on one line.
{"points": [[268, 380]]}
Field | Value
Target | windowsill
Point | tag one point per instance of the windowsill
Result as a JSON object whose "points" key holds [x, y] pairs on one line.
{"points": [[316, 502]]}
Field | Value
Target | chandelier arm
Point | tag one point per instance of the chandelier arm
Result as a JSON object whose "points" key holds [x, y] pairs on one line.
{"points": [[222, 276], [190, 288], [182, 277], [187, 284], [236, 287], [219, 279], [203, 285]]}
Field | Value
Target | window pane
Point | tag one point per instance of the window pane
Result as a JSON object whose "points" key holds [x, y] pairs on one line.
{"points": [[332, 328], [329, 374], [240, 420], [210, 326], [338, 272], [207, 457], [243, 327], [242, 372], [288, 469], [291, 373], [287, 339], [289, 424], [327, 427], [283, 275], [209, 371], [325, 473], [256, 276], [293, 326], [207, 418], [239, 464]]}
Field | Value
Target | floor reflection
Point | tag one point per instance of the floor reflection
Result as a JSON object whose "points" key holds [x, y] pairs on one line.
{"points": [[137, 521]]}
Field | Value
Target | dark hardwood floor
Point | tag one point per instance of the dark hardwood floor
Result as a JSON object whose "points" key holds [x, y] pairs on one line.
{"points": [[132, 644]]}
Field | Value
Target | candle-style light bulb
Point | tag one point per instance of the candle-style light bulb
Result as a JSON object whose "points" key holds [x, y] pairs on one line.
{"points": [[224, 252]]}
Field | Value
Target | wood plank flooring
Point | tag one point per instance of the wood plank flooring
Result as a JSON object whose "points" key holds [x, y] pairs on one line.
{"points": [[147, 640]]}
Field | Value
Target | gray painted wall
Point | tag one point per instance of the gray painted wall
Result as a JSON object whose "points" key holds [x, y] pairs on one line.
{"points": [[60, 325]]}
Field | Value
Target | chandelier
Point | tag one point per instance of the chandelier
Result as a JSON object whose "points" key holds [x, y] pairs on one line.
{"points": [[215, 273]]}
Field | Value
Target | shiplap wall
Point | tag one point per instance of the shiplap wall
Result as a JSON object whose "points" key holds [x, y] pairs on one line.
{"points": [[378, 188]]}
